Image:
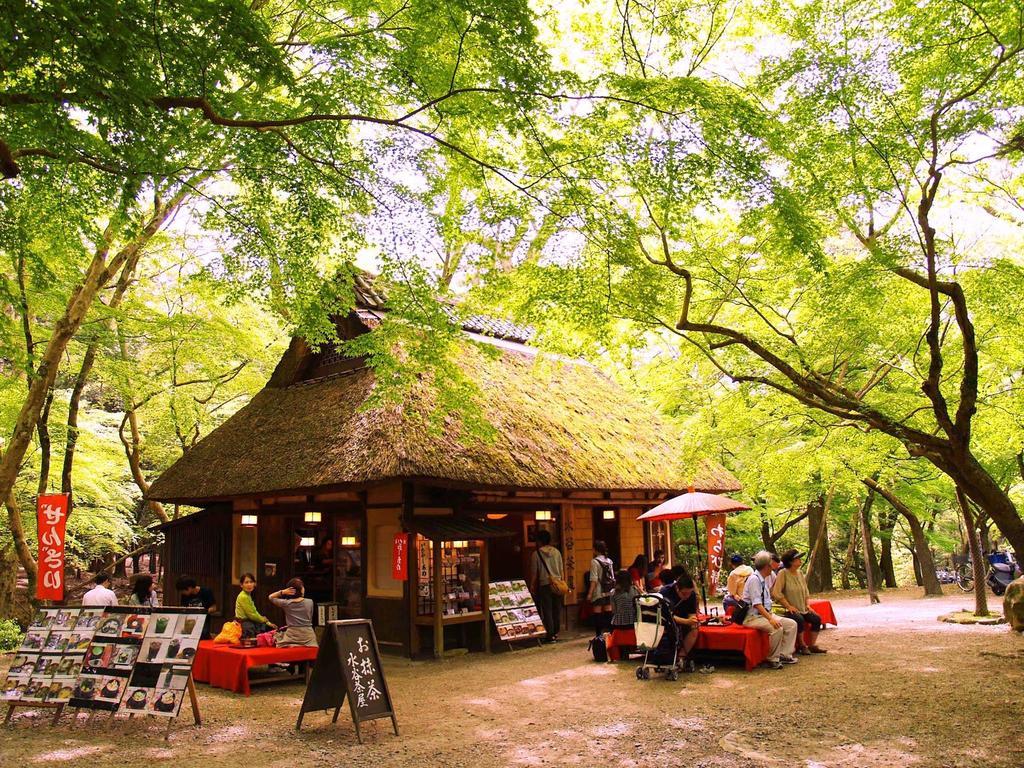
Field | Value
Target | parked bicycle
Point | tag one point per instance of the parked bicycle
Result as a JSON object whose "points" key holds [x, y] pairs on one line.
{"points": [[1002, 569]]}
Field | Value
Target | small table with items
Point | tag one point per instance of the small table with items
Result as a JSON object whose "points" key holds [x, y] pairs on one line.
{"points": [[752, 644], [227, 667]]}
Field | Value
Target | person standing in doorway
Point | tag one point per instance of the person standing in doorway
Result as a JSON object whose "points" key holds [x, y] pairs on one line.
{"points": [[545, 562], [602, 583]]}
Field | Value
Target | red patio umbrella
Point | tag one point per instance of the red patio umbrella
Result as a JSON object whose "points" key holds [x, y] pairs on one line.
{"points": [[692, 505]]}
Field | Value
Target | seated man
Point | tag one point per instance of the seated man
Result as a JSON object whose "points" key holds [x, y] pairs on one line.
{"points": [[781, 631], [737, 581], [682, 603]]}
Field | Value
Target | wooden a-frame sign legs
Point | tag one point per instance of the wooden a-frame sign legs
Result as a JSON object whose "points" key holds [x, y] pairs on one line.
{"points": [[348, 666]]}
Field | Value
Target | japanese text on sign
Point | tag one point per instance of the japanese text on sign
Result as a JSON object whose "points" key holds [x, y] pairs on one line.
{"points": [[363, 674], [716, 546], [51, 518], [399, 557]]}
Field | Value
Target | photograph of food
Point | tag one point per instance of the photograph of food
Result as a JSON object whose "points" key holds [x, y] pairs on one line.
{"points": [[10, 689], [68, 667], [98, 655], [89, 618], [86, 687], [110, 626], [23, 665], [46, 666], [503, 632], [111, 688], [187, 650], [34, 641], [125, 656], [42, 619], [64, 693], [35, 690], [64, 618], [165, 701], [136, 698], [57, 641], [135, 625], [163, 623], [78, 642]]}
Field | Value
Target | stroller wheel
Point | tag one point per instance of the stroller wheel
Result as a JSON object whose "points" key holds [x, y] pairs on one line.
{"points": [[640, 673], [672, 675]]}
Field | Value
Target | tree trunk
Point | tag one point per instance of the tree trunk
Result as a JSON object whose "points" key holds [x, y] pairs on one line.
{"points": [[869, 549], [885, 527], [8, 581], [97, 276], [980, 594], [43, 430], [851, 548], [74, 404], [819, 561], [918, 575], [924, 553], [979, 486]]}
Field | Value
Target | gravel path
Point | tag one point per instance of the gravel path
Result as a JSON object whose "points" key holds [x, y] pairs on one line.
{"points": [[897, 688]]}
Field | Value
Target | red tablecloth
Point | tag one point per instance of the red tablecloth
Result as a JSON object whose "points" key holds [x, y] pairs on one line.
{"points": [[228, 668], [824, 609], [752, 643]]}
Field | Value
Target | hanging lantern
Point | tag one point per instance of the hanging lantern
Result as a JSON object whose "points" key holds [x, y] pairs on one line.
{"points": [[249, 521], [312, 517]]}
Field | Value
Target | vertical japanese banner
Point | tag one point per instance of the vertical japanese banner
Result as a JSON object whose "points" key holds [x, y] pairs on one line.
{"points": [[716, 547], [51, 521], [400, 557]]}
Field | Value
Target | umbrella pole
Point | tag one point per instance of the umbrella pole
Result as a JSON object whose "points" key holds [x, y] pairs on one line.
{"points": [[700, 566]]}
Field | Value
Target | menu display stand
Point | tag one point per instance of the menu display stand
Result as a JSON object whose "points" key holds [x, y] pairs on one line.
{"points": [[116, 659], [348, 666], [514, 612]]}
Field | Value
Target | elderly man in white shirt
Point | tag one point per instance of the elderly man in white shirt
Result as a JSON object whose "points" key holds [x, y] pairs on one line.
{"points": [[100, 595], [781, 631]]}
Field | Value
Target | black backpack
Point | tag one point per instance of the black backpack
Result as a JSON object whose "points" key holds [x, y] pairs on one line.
{"points": [[607, 576], [599, 647]]}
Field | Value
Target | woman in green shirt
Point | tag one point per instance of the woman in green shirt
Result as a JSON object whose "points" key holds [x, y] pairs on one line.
{"points": [[253, 622]]}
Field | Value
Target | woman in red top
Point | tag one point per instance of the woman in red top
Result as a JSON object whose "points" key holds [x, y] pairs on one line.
{"points": [[638, 573]]}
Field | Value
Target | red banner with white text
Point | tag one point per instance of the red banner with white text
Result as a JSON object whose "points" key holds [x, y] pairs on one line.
{"points": [[51, 521], [716, 548], [400, 557]]}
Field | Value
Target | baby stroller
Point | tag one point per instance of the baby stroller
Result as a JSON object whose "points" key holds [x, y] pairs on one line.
{"points": [[657, 637]]}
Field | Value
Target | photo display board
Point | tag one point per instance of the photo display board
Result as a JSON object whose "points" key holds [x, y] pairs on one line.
{"points": [[49, 661], [514, 612], [160, 675], [110, 658], [117, 658]]}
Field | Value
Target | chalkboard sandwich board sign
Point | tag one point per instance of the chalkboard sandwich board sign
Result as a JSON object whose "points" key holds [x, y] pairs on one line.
{"points": [[348, 665]]}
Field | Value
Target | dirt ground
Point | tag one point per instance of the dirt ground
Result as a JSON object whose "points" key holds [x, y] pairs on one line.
{"points": [[897, 688]]}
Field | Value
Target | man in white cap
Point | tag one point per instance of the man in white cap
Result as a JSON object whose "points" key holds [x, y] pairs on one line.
{"points": [[781, 631]]}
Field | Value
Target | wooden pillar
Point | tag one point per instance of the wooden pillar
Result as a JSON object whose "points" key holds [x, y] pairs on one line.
{"points": [[484, 591], [412, 586], [438, 603]]}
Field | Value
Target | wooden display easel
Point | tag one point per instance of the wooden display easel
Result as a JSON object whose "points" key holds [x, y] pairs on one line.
{"points": [[11, 705]]}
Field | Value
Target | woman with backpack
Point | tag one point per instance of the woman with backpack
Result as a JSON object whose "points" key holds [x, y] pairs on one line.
{"points": [[602, 583]]}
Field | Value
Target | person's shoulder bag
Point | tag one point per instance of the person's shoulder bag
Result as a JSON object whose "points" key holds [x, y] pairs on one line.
{"points": [[558, 585], [739, 614]]}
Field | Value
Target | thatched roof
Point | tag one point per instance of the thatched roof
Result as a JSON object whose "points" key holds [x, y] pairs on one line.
{"points": [[559, 426]]}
